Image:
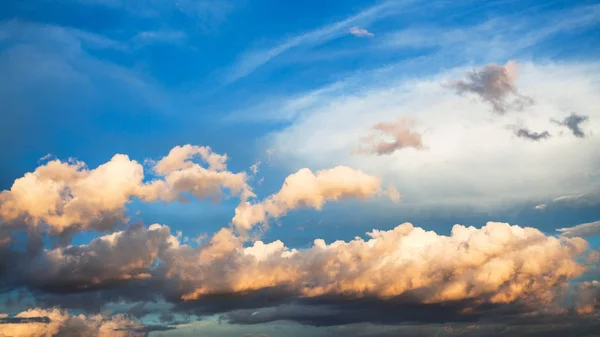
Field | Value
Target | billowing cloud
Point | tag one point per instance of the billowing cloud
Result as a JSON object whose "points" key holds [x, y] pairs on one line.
{"points": [[69, 196], [588, 297], [390, 137], [59, 322], [582, 230], [498, 264], [307, 189], [403, 269], [572, 122], [360, 32], [181, 174], [531, 135], [107, 261], [496, 85]]}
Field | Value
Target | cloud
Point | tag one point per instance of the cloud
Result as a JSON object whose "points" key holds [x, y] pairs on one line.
{"points": [[60, 323], [68, 196], [181, 174], [495, 264], [494, 84], [579, 199], [572, 122], [541, 207], [531, 135], [588, 297], [307, 189], [107, 261], [249, 61], [398, 134], [462, 163], [582, 230], [360, 32]]}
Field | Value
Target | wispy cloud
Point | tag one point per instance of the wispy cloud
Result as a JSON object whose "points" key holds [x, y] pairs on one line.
{"points": [[251, 60], [501, 37], [583, 230]]}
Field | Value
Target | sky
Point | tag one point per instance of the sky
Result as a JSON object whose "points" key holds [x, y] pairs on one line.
{"points": [[310, 168]]}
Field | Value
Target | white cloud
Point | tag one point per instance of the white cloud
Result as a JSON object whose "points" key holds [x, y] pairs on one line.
{"points": [[471, 157], [307, 189], [68, 196], [583, 230], [541, 207], [360, 32]]}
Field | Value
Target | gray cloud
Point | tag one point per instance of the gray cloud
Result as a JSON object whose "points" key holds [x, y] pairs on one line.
{"points": [[573, 122], [24, 320], [496, 85], [531, 135]]}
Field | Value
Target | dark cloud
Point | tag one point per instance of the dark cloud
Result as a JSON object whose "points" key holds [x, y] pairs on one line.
{"points": [[573, 122], [24, 320], [496, 85], [531, 135]]}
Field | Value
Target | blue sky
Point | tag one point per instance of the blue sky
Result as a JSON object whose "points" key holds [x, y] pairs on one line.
{"points": [[297, 85]]}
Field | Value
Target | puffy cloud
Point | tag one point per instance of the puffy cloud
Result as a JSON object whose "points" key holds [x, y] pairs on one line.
{"points": [[541, 207], [68, 196], [582, 230], [107, 261], [588, 301], [181, 174], [399, 136], [59, 322], [572, 122], [496, 264], [360, 32], [495, 84], [307, 189], [430, 276]]}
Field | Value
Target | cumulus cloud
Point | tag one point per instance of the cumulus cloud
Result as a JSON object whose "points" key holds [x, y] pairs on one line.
{"points": [[573, 122], [403, 269], [582, 230], [531, 135], [496, 85], [107, 261], [497, 263], [180, 174], [388, 138], [360, 32], [68, 196], [59, 322], [588, 300], [307, 189]]}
